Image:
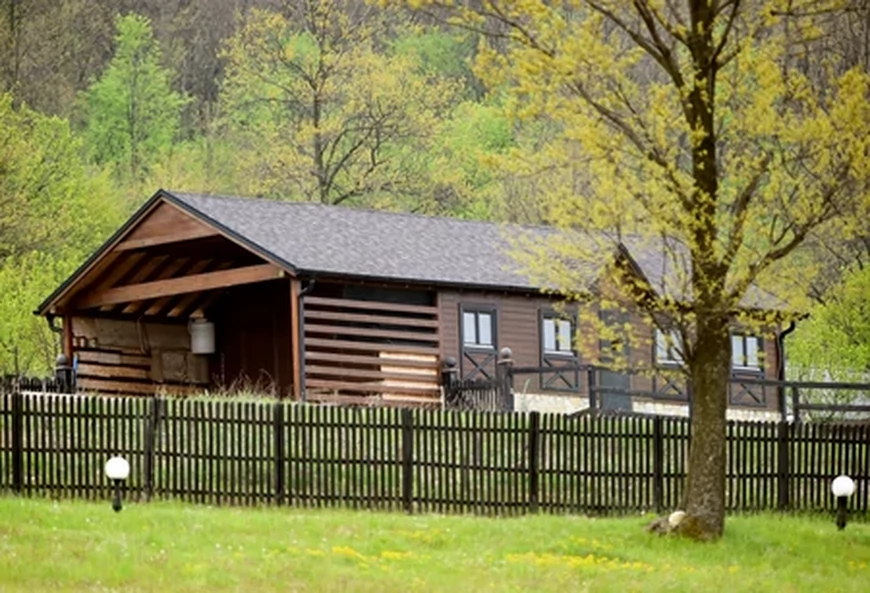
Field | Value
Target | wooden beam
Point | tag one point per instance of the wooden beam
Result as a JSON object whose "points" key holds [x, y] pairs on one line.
{"points": [[158, 305], [370, 387], [114, 274], [429, 379], [363, 318], [168, 271], [373, 360], [96, 371], [365, 332], [371, 346], [114, 358], [185, 302], [135, 387], [371, 306], [177, 237], [183, 285], [148, 268], [68, 337], [296, 340], [201, 307], [142, 273]]}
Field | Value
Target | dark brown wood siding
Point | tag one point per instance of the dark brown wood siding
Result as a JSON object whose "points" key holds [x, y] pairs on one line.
{"points": [[517, 322], [518, 327], [252, 327]]}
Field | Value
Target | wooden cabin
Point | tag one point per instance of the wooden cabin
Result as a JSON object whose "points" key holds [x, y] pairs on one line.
{"points": [[319, 302]]}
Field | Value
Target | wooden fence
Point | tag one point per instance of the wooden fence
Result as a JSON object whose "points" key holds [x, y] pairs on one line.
{"points": [[258, 453]]}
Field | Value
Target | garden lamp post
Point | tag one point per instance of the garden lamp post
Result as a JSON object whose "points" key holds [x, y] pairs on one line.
{"points": [[117, 470], [843, 487]]}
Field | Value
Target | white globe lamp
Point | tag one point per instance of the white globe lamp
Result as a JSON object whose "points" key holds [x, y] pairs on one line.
{"points": [[842, 487], [117, 470]]}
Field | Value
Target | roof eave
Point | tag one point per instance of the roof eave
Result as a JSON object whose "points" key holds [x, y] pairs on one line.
{"points": [[161, 195], [45, 307], [420, 282]]}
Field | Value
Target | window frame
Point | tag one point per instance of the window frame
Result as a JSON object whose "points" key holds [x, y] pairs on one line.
{"points": [[546, 315], [477, 310], [744, 338], [673, 357]]}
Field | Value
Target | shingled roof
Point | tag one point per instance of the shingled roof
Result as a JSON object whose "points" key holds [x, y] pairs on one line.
{"points": [[315, 239], [369, 244]]}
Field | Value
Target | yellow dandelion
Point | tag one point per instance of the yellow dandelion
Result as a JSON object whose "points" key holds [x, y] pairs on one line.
{"points": [[347, 552]]}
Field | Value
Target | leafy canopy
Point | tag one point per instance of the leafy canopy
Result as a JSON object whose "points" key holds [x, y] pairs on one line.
{"points": [[131, 113], [321, 112], [718, 134], [53, 211]]}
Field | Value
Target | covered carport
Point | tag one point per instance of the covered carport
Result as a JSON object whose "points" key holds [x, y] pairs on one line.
{"points": [[130, 312]]}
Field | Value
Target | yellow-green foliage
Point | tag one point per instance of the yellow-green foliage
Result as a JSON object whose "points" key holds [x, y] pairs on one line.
{"points": [[132, 114], [699, 144], [835, 341], [319, 112], [53, 212], [737, 151]]}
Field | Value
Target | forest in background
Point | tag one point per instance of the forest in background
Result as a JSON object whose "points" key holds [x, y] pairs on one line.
{"points": [[335, 101]]}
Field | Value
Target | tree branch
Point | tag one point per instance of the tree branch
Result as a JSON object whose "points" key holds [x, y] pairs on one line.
{"points": [[740, 209]]}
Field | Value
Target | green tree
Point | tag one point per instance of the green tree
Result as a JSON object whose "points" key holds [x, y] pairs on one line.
{"points": [[835, 340], [53, 211], [131, 113], [321, 114], [718, 132]]}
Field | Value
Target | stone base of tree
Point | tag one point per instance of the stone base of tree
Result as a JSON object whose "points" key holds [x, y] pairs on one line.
{"points": [[666, 525]]}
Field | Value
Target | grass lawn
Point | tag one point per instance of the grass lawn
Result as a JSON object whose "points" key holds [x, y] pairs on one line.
{"points": [[84, 546]]}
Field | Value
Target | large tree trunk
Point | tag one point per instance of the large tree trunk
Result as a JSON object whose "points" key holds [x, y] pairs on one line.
{"points": [[704, 500]]}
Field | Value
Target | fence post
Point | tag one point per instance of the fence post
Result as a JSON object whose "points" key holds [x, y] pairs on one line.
{"points": [[504, 380], [17, 441], [534, 455], [658, 463], [782, 466], [151, 432], [278, 433], [449, 379], [795, 404], [407, 460], [64, 375], [593, 394]]}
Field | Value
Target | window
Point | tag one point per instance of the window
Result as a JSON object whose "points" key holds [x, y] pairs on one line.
{"points": [[557, 335], [477, 328], [744, 352], [668, 346]]}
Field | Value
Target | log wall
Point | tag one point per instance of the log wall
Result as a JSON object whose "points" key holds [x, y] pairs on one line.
{"points": [[136, 358]]}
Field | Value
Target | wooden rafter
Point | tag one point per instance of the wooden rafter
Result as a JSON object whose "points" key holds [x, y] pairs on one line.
{"points": [[142, 273], [157, 306], [183, 285], [116, 273], [186, 302], [201, 307], [167, 272]]}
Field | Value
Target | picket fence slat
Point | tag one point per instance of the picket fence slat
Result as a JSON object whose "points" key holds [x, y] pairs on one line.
{"points": [[444, 461]]}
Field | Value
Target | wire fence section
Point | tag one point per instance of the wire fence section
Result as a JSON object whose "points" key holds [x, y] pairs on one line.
{"points": [[224, 452]]}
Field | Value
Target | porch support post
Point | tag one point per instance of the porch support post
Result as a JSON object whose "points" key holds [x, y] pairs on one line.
{"points": [[296, 345], [67, 345]]}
